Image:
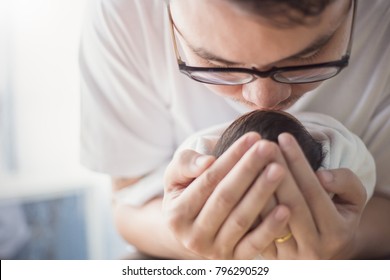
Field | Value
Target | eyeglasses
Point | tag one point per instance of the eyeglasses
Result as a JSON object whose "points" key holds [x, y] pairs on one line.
{"points": [[301, 74]]}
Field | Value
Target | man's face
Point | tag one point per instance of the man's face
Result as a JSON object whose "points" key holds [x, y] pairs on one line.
{"points": [[215, 33]]}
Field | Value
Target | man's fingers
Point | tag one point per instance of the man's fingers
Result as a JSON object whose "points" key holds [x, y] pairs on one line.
{"points": [[187, 188], [182, 170], [245, 204], [321, 207], [184, 167], [346, 187], [262, 238], [202, 187]]}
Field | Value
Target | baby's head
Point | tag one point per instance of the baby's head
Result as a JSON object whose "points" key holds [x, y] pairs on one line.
{"points": [[269, 124]]}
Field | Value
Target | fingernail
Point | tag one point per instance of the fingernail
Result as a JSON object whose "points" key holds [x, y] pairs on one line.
{"points": [[326, 176], [284, 139], [281, 214], [251, 139], [274, 173]]}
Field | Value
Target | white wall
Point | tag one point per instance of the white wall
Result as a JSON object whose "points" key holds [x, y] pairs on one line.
{"points": [[39, 44], [46, 83]]}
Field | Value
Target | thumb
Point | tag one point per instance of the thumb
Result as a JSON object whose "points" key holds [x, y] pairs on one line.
{"points": [[345, 185], [184, 168]]}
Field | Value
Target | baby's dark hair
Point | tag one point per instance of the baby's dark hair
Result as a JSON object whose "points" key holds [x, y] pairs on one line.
{"points": [[269, 124]]}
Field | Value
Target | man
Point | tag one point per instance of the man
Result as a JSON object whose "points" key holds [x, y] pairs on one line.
{"points": [[255, 55]]}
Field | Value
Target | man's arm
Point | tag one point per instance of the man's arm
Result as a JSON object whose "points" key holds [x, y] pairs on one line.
{"points": [[144, 226], [373, 239]]}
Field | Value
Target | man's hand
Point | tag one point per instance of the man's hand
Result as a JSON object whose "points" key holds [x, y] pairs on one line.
{"points": [[322, 228], [211, 204]]}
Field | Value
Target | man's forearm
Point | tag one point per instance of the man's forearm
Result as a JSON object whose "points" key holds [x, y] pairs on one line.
{"points": [[373, 240], [144, 228]]}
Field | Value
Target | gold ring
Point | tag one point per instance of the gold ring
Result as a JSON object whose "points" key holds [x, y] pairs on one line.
{"points": [[284, 238]]}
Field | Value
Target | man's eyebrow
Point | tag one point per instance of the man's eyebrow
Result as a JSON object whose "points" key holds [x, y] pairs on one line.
{"points": [[209, 56], [316, 45], [203, 53]]}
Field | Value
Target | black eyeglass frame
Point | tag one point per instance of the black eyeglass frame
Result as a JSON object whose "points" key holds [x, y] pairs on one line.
{"points": [[187, 70]]}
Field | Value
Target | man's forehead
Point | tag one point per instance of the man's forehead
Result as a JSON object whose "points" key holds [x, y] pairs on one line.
{"points": [[213, 29]]}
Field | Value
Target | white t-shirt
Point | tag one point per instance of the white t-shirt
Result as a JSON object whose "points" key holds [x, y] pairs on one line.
{"points": [[137, 108]]}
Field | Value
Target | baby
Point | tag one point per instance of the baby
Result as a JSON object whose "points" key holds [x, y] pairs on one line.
{"points": [[325, 142]]}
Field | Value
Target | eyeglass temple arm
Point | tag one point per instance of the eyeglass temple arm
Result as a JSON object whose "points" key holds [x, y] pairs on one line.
{"points": [[178, 57]]}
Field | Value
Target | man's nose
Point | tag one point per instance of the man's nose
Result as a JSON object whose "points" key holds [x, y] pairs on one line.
{"points": [[266, 93]]}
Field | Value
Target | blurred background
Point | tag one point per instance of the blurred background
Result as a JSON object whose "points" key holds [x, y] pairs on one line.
{"points": [[50, 206]]}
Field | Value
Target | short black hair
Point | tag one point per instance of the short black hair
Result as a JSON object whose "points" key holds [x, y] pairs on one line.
{"points": [[269, 124], [284, 12]]}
